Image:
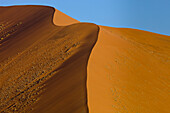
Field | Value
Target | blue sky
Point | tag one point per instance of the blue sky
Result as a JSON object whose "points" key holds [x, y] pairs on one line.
{"points": [[149, 15]]}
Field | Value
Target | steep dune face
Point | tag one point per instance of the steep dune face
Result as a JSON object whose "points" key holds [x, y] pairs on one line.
{"points": [[43, 66], [128, 71], [68, 85], [15, 20]]}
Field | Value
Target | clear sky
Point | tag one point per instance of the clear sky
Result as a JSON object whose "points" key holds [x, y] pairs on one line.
{"points": [[149, 15]]}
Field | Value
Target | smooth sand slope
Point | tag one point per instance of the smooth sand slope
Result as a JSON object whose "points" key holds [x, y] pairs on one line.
{"points": [[129, 72], [45, 65], [61, 19]]}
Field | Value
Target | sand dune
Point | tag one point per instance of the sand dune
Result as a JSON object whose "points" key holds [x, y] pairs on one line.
{"points": [[43, 66], [61, 19], [128, 72], [48, 65]]}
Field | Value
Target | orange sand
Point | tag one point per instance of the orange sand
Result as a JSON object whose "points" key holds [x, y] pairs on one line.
{"points": [[45, 65], [128, 72], [61, 19]]}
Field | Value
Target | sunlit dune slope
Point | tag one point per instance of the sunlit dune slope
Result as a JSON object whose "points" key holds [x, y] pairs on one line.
{"points": [[43, 66], [128, 72], [62, 19], [48, 65]]}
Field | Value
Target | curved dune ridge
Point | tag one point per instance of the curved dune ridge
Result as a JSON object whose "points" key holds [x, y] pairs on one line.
{"points": [[128, 72], [48, 65], [43, 66]]}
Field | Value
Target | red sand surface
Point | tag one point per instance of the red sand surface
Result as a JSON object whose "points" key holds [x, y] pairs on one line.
{"points": [[128, 72], [48, 65]]}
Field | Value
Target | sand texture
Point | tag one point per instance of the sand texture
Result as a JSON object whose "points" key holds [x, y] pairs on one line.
{"points": [[52, 63], [129, 72]]}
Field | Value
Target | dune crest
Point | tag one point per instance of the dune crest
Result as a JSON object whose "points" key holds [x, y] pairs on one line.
{"points": [[62, 19], [43, 66], [128, 72], [48, 64]]}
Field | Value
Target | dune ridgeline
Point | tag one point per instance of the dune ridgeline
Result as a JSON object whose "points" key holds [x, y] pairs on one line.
{"points": [[52, 63]]}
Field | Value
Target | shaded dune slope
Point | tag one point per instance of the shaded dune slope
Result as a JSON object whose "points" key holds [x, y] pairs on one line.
{"points": [[128, 72], [43, 66]]}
